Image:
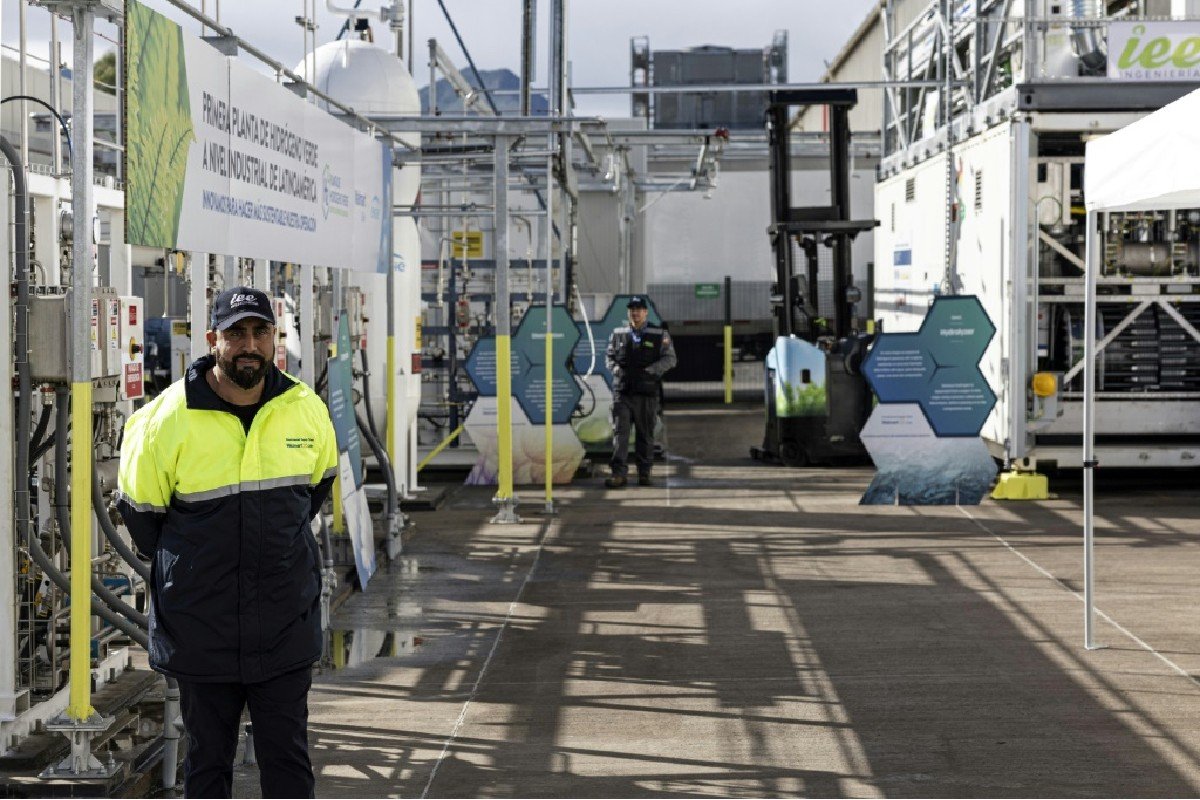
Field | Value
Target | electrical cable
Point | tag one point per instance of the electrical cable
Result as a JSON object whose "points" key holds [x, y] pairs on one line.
{"points": [[470, 61], [61, 122]]}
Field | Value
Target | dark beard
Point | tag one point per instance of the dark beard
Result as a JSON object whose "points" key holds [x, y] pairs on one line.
{"points": [[245, 377]]}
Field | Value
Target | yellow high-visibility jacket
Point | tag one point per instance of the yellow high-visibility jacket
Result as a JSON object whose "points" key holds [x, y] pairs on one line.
{"points": [[225, 515]]}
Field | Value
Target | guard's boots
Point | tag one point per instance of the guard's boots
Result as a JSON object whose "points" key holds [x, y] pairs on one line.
{"points": [[616, 481]]}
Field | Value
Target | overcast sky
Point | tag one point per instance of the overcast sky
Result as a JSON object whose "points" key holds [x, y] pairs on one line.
{"points": [[598, 34]]}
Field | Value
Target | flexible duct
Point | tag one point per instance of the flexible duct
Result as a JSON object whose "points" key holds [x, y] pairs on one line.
{"points": [[385, 465], [1088, 40], [62, 509], [366, 370], [98, 609], [110, 530]]}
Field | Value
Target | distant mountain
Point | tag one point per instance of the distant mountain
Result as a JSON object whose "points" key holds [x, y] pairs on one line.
{"points": [[494, 79]]}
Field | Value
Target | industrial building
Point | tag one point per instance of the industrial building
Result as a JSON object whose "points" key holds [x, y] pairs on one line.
{"points": [[935, 327]]}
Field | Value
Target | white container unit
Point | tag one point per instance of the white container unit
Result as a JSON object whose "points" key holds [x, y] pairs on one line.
{"points": [[1019, 248]]}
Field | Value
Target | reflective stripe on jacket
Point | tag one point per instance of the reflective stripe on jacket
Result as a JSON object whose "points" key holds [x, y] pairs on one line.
{"points": [[235, 576]]}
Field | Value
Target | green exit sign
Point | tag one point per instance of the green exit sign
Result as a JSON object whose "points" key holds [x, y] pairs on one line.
{"points": [[708, 291]]}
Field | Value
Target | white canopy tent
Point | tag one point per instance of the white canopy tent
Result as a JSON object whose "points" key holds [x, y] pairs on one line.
{"points": [[1150, 165]]}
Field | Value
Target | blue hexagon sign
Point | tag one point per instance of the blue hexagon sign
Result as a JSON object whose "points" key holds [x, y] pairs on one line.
{"points": [[530, 337], [956, 331], [938, 366], [481, 365], [531, 394], [899, 368]]}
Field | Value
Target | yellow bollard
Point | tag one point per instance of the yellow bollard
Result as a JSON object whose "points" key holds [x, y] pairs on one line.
{"points": [[79, 704], [549, 410], [504, 490]]}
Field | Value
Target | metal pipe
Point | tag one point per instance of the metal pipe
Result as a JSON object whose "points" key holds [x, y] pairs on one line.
{"points": [[171, 718], [22, 80], [21, 337], [1089, 428], [55, 97], [528, 28], [277, 66], [308, 342], [46, 565], [505, 498], [79, 707]]}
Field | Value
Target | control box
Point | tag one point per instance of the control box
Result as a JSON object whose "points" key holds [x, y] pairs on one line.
{"points": [[132, 341]]}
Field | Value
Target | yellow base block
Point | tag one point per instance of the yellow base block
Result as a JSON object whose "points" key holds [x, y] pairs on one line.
{"points": [[1022, 486]]}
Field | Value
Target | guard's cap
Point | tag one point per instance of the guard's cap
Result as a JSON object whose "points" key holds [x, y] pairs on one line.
{"points": [[236, 304], [637, 301]]}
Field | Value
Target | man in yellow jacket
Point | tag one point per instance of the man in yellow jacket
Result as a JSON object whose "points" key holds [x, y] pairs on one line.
{"points": [[221, 476]]}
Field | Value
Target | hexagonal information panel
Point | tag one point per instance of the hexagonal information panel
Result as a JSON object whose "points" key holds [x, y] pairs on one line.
{"points": [[528, 364], [530, 341], [481, 365], [938, 366], [934, 399]]}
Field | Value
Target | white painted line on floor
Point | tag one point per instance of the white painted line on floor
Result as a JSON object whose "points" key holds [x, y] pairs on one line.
{"points": [[1078, 596], [462, 715]]}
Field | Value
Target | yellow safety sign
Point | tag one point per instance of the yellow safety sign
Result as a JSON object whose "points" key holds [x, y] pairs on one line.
{"points": [[473, 247]]}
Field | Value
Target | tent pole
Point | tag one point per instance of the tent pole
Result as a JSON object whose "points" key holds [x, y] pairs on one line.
{"points": [[1089, 428]]}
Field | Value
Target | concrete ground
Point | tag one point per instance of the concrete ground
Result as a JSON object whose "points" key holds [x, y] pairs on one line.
{"points": [[742, 630]]}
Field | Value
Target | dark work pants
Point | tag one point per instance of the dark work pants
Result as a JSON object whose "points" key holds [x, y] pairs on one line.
{"points": [[638, 411], [279, 714]]}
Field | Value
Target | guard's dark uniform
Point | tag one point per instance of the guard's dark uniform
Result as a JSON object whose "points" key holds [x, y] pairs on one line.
{"points": [[637, 359]]}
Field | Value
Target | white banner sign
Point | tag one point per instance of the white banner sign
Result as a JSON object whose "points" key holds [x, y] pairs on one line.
{"points": [[1154, 51], [224, 160]]}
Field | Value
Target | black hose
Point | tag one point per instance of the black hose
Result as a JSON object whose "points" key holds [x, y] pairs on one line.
{"points": [[62, 123], [40, 430], [62, 509], [385, 464], [367, 392], [110, 530], [100, 610], [42, 448], [21, 488]]}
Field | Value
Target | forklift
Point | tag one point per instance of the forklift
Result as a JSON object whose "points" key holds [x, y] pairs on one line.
{"points": [[817, 399]]}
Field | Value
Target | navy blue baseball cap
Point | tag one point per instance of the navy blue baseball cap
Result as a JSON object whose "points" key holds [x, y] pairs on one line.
{"points": [[236, 304], [637, 301]]}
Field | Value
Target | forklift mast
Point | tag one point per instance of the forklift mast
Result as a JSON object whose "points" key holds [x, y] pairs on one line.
{"points": [[812, 226]]}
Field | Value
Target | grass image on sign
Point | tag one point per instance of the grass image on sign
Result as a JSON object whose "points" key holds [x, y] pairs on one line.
{"points": [[708, 291]]}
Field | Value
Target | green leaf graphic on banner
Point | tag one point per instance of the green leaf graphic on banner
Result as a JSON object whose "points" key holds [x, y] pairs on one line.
{"points": [[158, 126]]}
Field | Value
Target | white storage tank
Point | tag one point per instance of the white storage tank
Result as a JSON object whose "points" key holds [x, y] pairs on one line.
{"points": [[372, 80]]}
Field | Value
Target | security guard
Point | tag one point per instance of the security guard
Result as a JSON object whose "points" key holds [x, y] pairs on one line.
{"points": [[638, 356], [220, 478]]}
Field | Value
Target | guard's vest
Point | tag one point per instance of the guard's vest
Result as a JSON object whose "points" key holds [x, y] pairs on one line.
{"points": [[636, 352]]}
